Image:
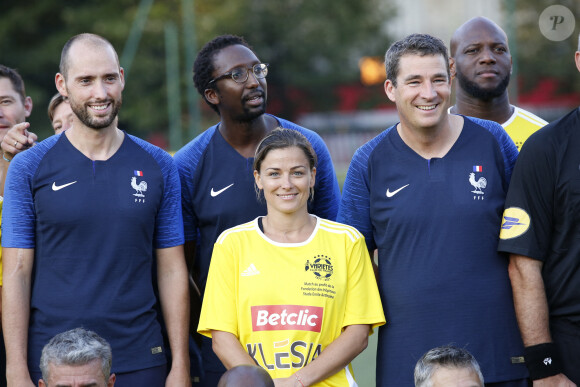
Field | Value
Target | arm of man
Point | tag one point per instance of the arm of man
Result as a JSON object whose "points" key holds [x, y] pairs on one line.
{"points": [[174, 297], [16, 301], [351, 342], [531, 308], [229, 349]]}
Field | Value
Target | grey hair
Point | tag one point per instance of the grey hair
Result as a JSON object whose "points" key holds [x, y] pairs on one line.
{"points": [[414, 44], [447, 356], [76, 347]]}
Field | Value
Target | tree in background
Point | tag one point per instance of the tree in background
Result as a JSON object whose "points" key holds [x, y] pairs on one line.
{"points": [[548, 77], [311, 47]]}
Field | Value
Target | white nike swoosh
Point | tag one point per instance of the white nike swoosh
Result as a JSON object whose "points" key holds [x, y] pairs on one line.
{"points": [[216, 193], [57, 187], [391, 194]]}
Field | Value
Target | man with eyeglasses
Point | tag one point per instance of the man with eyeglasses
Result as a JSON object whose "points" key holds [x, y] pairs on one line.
{"points": [[216, 167]]}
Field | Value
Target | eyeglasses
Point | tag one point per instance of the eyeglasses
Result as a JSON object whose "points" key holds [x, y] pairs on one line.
{"points": [[241, 74]]}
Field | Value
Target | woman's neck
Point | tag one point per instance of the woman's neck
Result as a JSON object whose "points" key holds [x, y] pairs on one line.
{"points": [[289, 228]]}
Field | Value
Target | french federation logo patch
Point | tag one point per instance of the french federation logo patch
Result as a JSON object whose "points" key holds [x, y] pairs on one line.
{"points": [[478, 184], [515, 223], [139, 187]]}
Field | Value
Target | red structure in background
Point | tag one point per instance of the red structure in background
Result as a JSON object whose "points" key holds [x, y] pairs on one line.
{"points": [[545, 95]]}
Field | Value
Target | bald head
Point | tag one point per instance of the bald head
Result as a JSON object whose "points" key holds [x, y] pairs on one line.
{"points": [[483, 63], [90, 40], [474, 27], [246, 376]]}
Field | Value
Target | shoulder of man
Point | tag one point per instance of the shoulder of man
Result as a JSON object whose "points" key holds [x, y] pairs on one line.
{"points": [[188, 156]]}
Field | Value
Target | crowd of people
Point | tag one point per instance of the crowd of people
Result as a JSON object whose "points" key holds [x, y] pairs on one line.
{"points": [[239, 262]]}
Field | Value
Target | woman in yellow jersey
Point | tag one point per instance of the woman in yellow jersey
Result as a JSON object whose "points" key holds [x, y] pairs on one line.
{"points": [[289, 291]]}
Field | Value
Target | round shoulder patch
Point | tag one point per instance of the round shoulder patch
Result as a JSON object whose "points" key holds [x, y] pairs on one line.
{"points": [[515, 222]]}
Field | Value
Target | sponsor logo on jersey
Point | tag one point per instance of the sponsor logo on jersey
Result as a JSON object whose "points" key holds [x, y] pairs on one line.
{"points": [[139, 187], [515, 223], [216, 193], [295, 355], [250, 271], [390, 194], [321, 266], [286, 318], [479, 184], [59, 187]]}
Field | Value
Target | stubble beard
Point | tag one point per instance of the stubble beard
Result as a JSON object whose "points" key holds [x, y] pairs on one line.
{"points": [[83, 114]]}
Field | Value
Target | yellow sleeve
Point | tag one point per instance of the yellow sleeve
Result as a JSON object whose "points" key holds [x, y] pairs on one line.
{"points": [[219, 308], [363, 302]]}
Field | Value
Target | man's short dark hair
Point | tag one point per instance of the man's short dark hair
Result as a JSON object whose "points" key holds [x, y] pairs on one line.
{"points": [[415, 44], [15, 79], [203, 67], [447, 356]]}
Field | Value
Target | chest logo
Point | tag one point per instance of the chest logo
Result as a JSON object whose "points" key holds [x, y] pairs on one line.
{"points": [[216, 193], [393, 193], [59, 187], [139, 187], [321, 267], [250, 271], [478, 184]]}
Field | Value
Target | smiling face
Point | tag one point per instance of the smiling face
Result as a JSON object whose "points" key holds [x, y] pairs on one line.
{"points": [[482, 58], [93, 83], [13, 110], [286, 178], [237, 101], [422, 92]]}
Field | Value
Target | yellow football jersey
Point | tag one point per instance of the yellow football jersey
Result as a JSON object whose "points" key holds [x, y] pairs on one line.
{"points": [[286, 302], [521, 125]]}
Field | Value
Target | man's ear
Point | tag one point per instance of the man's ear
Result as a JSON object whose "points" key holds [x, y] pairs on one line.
{"points": [[577, 59], [28, 106], [390, 90], [452, 69], [211, 96], [60, 84], [122, 76]]}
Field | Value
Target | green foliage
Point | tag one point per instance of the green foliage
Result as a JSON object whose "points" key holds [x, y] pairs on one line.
{"points": [[310, 45], [540, 58]]}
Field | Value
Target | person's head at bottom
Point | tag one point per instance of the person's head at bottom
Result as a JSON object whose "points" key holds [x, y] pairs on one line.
{"points": [[246, 376], [448, 366], [76, 358]]}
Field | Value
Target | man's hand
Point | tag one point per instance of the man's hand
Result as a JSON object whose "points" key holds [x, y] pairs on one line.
{"points": [[18, 139], [178, 378], [559, 380]]}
